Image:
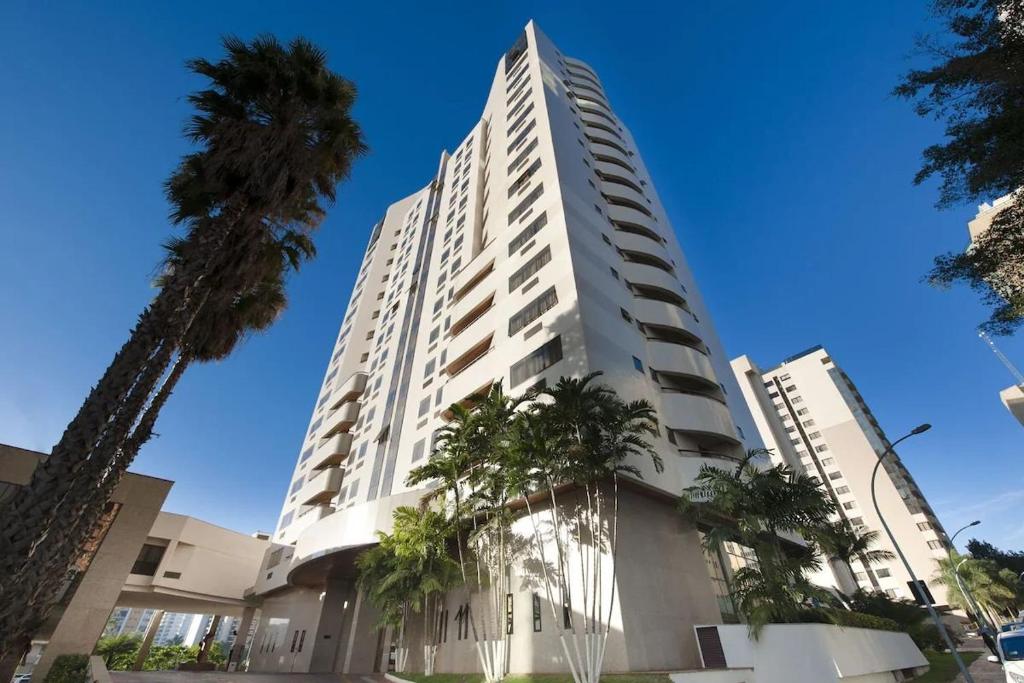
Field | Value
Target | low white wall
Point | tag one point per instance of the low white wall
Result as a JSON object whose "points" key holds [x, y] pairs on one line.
{"points": [[819, 653], [714, 676]]}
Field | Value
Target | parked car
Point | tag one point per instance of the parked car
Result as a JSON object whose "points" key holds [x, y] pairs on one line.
{"points": [[1010, 645], [22, 678]]}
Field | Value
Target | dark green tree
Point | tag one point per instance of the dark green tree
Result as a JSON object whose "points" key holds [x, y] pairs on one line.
{"points": [[1005, 559], [975, 85]]}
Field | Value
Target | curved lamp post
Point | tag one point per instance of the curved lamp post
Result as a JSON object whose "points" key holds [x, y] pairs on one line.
{"points": [[903, 558], [960, 580]]}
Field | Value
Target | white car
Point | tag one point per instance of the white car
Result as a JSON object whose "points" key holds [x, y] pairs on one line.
{"points": [[1010, 645]]}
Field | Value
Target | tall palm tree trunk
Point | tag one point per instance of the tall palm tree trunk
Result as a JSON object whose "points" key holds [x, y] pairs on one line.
{"points": [[35, 597]]}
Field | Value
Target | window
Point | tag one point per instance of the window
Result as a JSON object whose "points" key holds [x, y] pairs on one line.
{"points": [[544, 357], [796, 399], [808, 423], [148, 559], [532, 311], [625, 315], [791, 387], [934, 545], [883, 573], [528, 270], [842, 489], [524, 205], [615, 274], [296, 485], [857, 521], [814, 435], [835, 475], [417, 450], [773, 394], [536, 613], [424, 407], [924, 526], [285, 520], [849, 505], [428, 369], [790, 429], [860, 576], [891, 592], [803, 411], [826, 462], [820, 448], [637, 364], [520, 240]]}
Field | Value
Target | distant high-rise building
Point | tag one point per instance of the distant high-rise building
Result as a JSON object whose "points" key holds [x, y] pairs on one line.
{"points": [[539, 249], [813, 418]]}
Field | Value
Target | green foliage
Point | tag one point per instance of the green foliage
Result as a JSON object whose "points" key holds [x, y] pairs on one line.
{"points": [[753, 505], [993, 588], [1006, 559], [534, 678], [908, 615], [840, 541], [69, 669], [118, 652], [942, 667], [976, 85], [167, 657]]}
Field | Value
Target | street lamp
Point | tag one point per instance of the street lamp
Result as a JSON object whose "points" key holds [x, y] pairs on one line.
{"points": [[920, 429], [960, 580]]}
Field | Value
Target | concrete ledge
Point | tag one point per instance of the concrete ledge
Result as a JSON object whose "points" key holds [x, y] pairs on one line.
{"points": [[98, 670]]}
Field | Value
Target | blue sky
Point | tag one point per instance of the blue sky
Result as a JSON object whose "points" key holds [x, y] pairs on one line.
{"points": [[768, 128]]}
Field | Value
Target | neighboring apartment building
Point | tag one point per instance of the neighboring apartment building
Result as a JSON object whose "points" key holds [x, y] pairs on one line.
{"points": [[540, 249], [811, 416]]}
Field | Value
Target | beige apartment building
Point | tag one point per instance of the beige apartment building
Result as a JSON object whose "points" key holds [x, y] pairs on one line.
{"points": [[539, 249], [142, 557], [811, 416]]}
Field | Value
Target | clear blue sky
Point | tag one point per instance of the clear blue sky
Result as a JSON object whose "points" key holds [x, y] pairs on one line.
{"points": [[768, 127]]}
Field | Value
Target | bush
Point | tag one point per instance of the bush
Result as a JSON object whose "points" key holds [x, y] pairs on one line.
{"points": [[844, 617], [927, 637], [69, 669]]}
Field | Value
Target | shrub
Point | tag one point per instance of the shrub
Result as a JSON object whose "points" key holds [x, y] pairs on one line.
{"points": [[844, 617], [69, 669]]}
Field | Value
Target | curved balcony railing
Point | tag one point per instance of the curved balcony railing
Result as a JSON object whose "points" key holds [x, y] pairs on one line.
{"points": [[643, 274], [681, 360], [645, 243], [623, 195], [340, 419], [320, 489], [332, 451], [352, 389], [609, 154], [666, 315], [697, 413]]}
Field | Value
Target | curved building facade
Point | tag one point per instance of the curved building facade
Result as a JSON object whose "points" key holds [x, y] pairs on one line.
{"points": [[540, 249]]}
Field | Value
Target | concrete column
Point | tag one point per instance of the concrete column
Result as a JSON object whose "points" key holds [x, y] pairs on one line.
{"points": [[241, 646], [147, 640], [328, 633]]}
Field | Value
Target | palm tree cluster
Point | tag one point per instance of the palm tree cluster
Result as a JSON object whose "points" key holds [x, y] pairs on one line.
{"points": [[410, 571], [273, 136], [995, 589], [556, 457], [754, 506]]}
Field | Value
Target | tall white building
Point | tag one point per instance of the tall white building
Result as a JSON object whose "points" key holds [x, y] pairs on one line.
{"points": [[812, 417], [540, 249]]}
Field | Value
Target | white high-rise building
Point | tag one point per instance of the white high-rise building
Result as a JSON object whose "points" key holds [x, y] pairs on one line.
{"points": [[540, 249], [811, 416]]}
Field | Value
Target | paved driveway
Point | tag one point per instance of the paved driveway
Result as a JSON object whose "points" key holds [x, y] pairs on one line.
{"points": [[223, 677], [984, 671]]}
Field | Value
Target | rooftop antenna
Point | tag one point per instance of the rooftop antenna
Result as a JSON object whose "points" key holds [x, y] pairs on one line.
{"points": [[1002, 358]]}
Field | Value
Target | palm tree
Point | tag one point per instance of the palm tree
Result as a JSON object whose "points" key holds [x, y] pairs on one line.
{"points": [[580, 437], [840, 542], [994, 591], [752, 506], [275, 137]]}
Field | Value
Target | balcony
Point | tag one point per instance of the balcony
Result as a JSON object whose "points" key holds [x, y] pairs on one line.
{"points": [[471, 276], [619, 195], [624, 215], [697, 414], [641, 243], [352, 389], [609, 154], [340, 419], [662, 314], [332, 451], [681, 360], [643, 274], [321, 488], [472, 343]]}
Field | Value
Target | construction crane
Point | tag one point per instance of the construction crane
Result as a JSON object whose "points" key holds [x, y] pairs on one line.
{"points": [[1002, 358]]}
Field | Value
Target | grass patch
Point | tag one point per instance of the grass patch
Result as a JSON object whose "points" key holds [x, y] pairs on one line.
{"points": [[533, 678], [942, 666]]}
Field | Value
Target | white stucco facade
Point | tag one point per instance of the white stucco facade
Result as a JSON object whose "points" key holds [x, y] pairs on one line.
{"points": [[540, 249]]}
